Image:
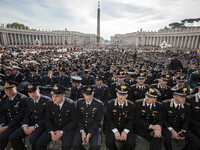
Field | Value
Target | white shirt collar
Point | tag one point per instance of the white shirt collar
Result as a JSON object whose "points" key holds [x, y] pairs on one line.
{"points": [[176, 105], [89, 102], [12, 98], [198, 94], [149, 104], [78, 87], [60, 105], [37, 101], [121, 104]]}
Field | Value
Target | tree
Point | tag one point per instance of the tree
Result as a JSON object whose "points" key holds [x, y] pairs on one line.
{"points": [[175, 25], [17, 26]]}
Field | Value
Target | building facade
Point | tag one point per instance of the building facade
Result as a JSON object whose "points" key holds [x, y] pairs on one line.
{"points": [[188, 38], [11, 36]]}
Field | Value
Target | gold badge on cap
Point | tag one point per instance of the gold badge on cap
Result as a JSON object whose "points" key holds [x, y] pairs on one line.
{"points": [[30, 86], [123, 87], [167, 76], [121, 73], [89, 89], [141, 74], [181, 77], [7, 84], [151, 90], [184, 90], [55, 87]]}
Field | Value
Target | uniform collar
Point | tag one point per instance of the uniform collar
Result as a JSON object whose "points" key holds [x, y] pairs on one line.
{"points": [[89, 102], [78, 87], [198, 94], [37, 101], [60, 105], [12, 98]]}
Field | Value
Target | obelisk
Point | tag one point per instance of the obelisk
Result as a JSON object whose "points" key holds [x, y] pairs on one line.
{"points": [[98, 24]]}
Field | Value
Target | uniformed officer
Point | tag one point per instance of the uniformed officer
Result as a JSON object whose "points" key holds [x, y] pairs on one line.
{"points": [[128, 78], [86, 78], [76, 90], [194, 101], [119, 121], [176, 115], [164, 89], [138, 90], [149, 118], [90, 113], [63, 79], [61, 118], [17, 75], [49, 79], [120, 81], [8, 74], [14, 108], [194, 78], [175, 64], [181, 82], [33, 123], [34, 77], [101, 90]]}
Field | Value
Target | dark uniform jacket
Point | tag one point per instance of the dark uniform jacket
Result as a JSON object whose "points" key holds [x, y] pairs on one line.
{"points": [[145, 116], [63, 80], [102, 93], [14, 110], [113, 89], [194, 102], [76, 93], [35, 78], [165, 92], [120, 118], [64, 119], [177, 119], [89, 80], [90, 117], [35, 113], [19, 77], [136, 92]]}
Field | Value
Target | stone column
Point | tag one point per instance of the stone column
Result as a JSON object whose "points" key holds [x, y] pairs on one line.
{"points": [[185, 44], [189, 42], [8, 39], [33, 39], [11, 39], [192, 44], [181, 41], [197, 42]]}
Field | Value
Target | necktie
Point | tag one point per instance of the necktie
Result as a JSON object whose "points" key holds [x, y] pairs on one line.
{"points": [[149, 107], [178, 107]]}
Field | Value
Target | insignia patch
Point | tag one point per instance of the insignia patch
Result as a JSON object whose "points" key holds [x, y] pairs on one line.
{"points": [[143, 111], [114, 110]]}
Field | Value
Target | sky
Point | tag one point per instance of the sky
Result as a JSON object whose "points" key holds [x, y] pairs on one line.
{"points": [[117, 16]]}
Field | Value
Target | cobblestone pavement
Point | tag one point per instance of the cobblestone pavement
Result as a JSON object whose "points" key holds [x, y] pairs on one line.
{"points": [[142, 144]]}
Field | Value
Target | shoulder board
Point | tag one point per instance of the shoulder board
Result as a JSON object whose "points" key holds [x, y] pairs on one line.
{"points": [[130, 102], [187, 104], [139, 100], [80, 99], [154, 84], [159, 103], [190, 96], [166, 101], [98, 100], [70, 101], [111, 101]]}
